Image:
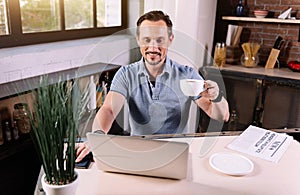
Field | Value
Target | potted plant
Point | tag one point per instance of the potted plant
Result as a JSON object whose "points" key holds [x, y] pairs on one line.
{"points": [[55, 119]]}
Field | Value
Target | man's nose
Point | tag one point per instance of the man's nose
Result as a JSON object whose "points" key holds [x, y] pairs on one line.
{"points": [[153, 43], [154, 46]]}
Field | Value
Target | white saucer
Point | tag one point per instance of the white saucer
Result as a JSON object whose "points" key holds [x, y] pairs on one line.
{"points": [[231, 163]]}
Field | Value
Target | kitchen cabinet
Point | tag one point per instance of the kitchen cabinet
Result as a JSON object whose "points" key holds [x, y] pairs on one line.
{"points": [[263, 97], [19, 166], [19, 161]]}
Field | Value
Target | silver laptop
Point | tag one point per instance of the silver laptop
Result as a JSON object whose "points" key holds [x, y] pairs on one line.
{"points": [[135, 155]]}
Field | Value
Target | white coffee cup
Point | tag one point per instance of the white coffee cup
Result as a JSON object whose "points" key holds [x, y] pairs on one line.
{"points": [[191, 87]]}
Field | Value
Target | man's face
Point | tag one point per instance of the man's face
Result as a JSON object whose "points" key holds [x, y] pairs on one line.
{"points": [[154, 41]]}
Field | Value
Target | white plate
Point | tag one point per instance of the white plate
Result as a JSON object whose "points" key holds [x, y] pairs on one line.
{"points": [[231, 164]]}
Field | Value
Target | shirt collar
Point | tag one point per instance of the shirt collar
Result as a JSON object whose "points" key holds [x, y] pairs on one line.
{"points": [[142, 69]]}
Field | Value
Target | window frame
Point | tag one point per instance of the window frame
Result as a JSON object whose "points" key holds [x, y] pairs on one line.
{"points": [[17, 38]]}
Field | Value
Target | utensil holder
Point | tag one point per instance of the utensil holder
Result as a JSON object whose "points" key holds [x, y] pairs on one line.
{"points": [[272, 58]]}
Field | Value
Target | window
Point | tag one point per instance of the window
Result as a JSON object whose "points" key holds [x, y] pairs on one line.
{"points": [[24, 22], [3, 18]]}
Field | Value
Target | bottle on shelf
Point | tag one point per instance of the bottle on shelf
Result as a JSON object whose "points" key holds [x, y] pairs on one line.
{"points": [[220, 54], [20, 115], [99, 94], [7, 131], [107, 82], [1, 133], [92, 94], [4, 117], [233, 121], [15, 131], [103, 87], [239, 9]]}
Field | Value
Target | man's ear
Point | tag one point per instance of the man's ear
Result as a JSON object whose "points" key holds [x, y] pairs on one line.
{"points": [[171, 38]]}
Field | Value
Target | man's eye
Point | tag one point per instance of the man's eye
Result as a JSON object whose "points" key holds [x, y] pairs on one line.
{"points": [[147, 40], [159, 41]]}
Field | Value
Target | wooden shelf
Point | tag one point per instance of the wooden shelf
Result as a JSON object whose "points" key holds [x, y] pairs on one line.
{"points": [[268, 20]]}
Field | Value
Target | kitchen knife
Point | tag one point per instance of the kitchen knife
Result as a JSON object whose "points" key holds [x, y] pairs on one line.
{"points": [[278, 43]]}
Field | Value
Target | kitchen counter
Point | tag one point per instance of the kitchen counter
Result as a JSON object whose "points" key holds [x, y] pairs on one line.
{"points": [[280, 75], [259, 70]]}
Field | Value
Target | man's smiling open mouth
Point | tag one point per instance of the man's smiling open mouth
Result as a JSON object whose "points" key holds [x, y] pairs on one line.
{"points": [[153, 53]]}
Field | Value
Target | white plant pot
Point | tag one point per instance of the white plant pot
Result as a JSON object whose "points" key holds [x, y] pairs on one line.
{"points": [[67, 189]]}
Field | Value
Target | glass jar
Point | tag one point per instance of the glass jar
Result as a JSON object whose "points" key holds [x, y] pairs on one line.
{"points": [[249, 61], [21, 117], [220, 54]]}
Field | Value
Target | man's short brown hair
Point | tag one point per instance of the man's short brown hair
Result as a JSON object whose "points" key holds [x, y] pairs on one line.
{"points": [[155, 16]]}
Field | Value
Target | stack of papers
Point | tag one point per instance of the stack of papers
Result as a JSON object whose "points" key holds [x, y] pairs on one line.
{"points": [[262, 143]]}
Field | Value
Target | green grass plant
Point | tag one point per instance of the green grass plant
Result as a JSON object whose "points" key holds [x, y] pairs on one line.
{"points": [[55, 121]]}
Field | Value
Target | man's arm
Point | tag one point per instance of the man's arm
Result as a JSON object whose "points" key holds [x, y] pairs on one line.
{"points": [[218, 110], [109, 110], [104, 118]]}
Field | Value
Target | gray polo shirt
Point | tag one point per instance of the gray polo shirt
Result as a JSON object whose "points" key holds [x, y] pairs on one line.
{"points": [[155, 109]]}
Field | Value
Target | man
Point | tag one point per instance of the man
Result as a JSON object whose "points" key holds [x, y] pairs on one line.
{"points": [[151, 87]]}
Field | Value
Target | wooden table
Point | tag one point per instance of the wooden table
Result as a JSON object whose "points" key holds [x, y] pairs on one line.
{"points": [[267, 178]]}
